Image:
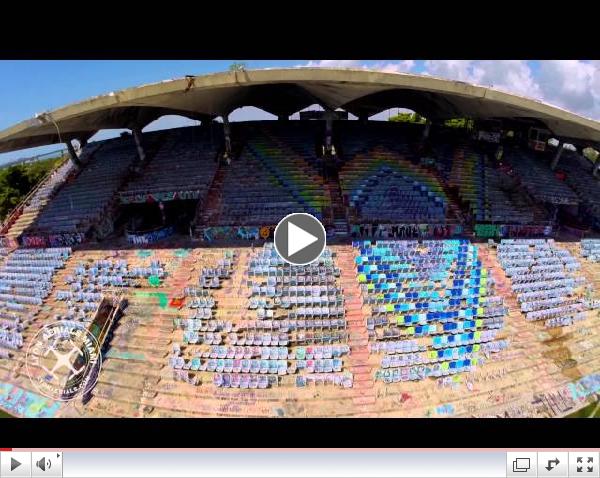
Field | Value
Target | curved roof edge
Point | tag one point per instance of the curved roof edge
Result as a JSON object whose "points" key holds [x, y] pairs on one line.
{"points": [[285, 91]]}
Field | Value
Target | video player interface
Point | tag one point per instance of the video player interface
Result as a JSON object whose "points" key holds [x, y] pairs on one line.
{"points": [[334, 255], [357, 463]]}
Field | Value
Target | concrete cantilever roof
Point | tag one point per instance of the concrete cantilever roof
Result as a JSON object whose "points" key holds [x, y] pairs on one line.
{"points": [[285, 91]]}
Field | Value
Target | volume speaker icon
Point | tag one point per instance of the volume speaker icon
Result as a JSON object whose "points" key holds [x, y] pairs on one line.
{"points": [[43, 464]]}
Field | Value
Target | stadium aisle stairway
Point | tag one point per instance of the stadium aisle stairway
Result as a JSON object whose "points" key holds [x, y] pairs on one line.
{"points": [[359, 360]]}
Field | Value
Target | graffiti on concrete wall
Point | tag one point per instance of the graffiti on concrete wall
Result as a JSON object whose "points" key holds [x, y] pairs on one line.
{"points": [[8, 242], [216, 233], [142, 198], [510, 230], [53, 240], [405, 231], [150, 237]]}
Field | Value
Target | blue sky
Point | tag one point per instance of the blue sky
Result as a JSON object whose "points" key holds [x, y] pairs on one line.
{"points": [[30, 87]]}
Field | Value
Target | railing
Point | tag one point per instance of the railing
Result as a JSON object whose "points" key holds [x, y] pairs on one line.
{"points": [[16, 212]]}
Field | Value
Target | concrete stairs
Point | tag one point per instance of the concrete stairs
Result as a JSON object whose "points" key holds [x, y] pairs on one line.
{"points": [[359, 362]]}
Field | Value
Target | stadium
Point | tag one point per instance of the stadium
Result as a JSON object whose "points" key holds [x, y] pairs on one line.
{"points": [[461, 275]]}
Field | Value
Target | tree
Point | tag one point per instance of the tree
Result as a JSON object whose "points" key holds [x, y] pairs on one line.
{"points": [[408, 118], [238, 66], [18, 180], [459, 123]]}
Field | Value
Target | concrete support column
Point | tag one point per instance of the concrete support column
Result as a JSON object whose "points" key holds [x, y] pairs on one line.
{"points": [[227, 133], [73, 153], [426, 130], [559, 151], [283, 117], [137, 136], [329, 115], [499, 152]]}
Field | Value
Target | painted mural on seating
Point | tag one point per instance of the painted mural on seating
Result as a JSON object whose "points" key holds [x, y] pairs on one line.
{"points": [[217, 233], [149, 237], [510, 230], [158, 197], [585, 387], [22, 403], [405, 231]]}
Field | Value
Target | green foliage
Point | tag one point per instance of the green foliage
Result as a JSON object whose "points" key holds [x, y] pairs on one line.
{"points": [[408, 118], [586, 412], [459, 123], [18, 180], [591, 154]]}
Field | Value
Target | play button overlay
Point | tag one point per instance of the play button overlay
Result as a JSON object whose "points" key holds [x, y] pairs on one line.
{"points": [[300, 238]]}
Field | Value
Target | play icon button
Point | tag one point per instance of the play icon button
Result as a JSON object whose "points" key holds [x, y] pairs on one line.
{"points": [[15, 464], [299, 238]]}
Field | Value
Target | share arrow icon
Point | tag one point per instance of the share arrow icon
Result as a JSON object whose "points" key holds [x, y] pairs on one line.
{"points": [[552, 464]]}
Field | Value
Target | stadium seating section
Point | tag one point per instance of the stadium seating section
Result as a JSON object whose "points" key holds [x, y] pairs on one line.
{"points": [[433, 307], [89, 199], [488, 191], [470, 329], [269, 180], [544, 280], [182, 168], [539, 180]]}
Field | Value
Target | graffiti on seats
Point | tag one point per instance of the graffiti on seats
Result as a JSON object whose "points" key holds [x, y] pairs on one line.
{"points": [[585, 387], [150, 237], [125, 355], [131, 198], [405, 231], [26, 404], [53, 240], [217, 233], [445, 409]]}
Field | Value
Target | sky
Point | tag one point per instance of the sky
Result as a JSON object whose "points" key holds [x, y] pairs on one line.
{"points": [[30, 87]]}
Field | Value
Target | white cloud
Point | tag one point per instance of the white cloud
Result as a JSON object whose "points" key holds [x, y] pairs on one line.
{"points": [[386, 66], [514, 76], [461, 70], [570, 84], [510, 75], [403, 66], [333, 64]]}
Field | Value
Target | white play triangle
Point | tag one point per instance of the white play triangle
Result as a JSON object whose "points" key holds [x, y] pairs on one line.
{"points": [[298, 239]]}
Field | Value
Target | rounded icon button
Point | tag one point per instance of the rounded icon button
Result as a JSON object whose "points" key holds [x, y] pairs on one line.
{"points": [[300, 238]]}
